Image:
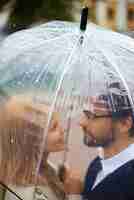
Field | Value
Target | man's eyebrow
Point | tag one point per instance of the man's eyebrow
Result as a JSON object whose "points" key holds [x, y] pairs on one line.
{"points": [[87, 111]]}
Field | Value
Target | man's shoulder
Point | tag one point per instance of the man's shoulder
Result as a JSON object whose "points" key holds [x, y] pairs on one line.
{"points": [[125, 172], [120, 181], [121, 177], [128, 167]]}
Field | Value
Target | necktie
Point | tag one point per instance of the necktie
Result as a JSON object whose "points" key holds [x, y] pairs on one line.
{"points": [[94, 168]]}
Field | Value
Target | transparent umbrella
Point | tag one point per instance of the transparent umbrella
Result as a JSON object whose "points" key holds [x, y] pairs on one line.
{"points": [[61, 68]]}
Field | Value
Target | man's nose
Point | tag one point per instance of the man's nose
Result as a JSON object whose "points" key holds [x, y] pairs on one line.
{"points": [[60, 129]]}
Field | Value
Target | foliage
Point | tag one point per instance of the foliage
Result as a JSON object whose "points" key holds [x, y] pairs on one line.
{"points": [[26, 12]]}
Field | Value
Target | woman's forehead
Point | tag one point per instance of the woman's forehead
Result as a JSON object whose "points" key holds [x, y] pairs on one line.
{"points": [[26, 108]]}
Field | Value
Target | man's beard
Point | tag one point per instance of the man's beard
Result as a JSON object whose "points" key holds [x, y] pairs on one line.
{"points": [[89, 141]]}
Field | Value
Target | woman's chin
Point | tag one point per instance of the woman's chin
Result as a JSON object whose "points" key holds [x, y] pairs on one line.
{"points": [[57, 149]]}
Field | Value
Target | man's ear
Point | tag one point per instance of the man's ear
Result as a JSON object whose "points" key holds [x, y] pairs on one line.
{"points": [[127, 123]]}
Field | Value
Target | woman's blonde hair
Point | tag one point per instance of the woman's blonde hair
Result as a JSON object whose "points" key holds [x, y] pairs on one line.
{"points": [[21, 133]]}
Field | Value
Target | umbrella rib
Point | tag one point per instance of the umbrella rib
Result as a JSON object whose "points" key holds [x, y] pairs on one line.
{"points": [[131, 43], [67, 64], [54, 102], [125, 48]]}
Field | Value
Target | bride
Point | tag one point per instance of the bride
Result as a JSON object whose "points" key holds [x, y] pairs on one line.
{"points": [[22, 125]]}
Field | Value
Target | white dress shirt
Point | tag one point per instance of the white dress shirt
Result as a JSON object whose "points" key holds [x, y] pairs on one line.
{"points": [[111, 164]]}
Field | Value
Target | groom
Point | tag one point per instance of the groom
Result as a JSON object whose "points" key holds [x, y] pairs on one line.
{"points": [[112, 128]]}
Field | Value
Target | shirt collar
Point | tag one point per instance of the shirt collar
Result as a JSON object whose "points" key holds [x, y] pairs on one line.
{"points": [[111, 164]]}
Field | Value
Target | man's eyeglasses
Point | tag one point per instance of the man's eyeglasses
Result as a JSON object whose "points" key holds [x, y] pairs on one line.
{"points": [[91, 115]]}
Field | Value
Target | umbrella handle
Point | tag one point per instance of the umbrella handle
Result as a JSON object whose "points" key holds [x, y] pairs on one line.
{"points": [[61, 168], [61, 174], [66, 141]]}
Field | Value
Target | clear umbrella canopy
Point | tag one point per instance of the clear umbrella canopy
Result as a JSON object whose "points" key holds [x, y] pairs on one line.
{"points": [[56, 68]]}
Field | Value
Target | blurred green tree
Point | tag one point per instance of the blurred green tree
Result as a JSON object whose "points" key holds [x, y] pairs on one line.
{"points": [[25, 12]]}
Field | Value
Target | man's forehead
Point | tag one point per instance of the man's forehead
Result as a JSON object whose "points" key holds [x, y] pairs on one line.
{"points": [[98, 104]]}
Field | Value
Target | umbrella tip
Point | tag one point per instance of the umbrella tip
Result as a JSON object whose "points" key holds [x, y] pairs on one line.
{"points": [[84, 16]]}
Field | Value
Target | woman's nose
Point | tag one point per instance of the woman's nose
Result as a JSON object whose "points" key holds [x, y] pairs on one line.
{"points": [[82, 122], [61, 134], [60, 129]]}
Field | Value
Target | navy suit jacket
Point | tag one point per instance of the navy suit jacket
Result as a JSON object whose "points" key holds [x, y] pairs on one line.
{"points": [[118, 185]]}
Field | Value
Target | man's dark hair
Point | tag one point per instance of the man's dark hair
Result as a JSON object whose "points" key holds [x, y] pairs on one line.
{"points": [[119, 103]]}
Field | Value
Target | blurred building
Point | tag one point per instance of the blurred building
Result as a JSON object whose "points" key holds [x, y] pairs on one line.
{"points": [[115, 14]]}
